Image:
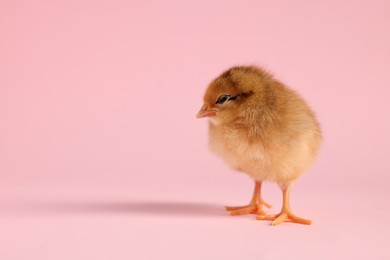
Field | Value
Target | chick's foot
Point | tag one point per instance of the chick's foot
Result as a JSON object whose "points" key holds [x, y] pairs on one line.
{"points": [[249, 209], [284, 217]]}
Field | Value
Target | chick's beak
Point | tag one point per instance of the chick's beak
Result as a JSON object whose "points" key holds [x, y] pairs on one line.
{"points": [[206, 111]]}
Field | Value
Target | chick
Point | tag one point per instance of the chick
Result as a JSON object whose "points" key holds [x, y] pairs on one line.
{"points": [[264, 129]]}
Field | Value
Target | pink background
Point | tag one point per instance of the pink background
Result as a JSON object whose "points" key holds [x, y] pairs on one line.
{"points": [[101, 156]]}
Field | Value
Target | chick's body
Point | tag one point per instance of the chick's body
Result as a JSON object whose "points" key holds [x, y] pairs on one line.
{"points": [[274, 136], [262, 128]]}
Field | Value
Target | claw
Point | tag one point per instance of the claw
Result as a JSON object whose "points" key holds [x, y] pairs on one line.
{"points": [[266, 204]]}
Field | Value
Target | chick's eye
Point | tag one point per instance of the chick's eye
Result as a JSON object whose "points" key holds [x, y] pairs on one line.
{"points": [[222, 99]]}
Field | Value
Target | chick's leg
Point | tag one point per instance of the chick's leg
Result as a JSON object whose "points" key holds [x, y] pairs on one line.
{"points": [[255, 205], [286, 214]]}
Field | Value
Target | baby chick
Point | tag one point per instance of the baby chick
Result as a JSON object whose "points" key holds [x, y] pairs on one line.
{"points": [[264, 129]]}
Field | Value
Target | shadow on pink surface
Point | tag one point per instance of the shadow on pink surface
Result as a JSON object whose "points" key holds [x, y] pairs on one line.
{"points": [[157, 208]]}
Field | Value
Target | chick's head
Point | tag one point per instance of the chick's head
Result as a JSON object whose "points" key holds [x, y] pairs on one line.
{"points": [[229, 93]]}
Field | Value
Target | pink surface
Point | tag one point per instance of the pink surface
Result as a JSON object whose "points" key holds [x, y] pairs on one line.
{"points": [[101, 156]]}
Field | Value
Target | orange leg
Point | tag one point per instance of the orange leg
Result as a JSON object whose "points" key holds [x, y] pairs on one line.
{"points": [[286, 214], [254, 207]]}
